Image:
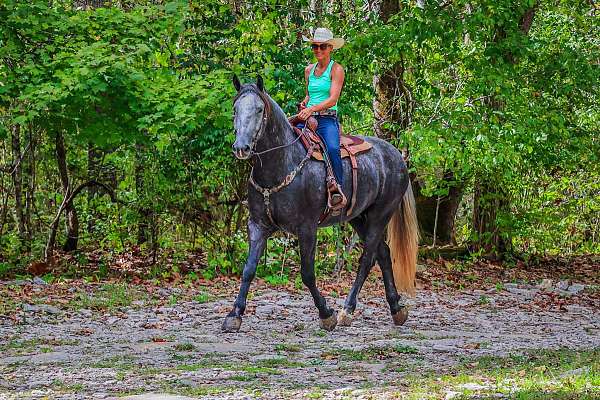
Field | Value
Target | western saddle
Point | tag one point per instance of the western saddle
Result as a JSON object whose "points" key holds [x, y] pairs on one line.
{"points": [[350, 147]]}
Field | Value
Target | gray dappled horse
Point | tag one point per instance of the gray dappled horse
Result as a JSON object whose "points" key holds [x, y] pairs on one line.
{"points": [[384, 198]]}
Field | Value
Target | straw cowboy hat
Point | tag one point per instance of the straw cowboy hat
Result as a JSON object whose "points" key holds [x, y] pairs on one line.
{"points": [[324, 35]]}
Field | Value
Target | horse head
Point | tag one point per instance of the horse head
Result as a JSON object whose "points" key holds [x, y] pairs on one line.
{"points": [[251, 110]]}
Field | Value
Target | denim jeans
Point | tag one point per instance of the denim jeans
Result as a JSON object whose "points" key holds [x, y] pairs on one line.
{"points": [[329, 132]]}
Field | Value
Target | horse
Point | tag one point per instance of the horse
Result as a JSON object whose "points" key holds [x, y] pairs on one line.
{"points": [[280, 200]]}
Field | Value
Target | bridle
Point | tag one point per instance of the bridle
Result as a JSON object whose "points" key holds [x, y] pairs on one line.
{"points": [[267, 192], [266, 113]]}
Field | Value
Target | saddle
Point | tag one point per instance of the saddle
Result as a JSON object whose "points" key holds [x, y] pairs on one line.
{"points": [[350, 147]]}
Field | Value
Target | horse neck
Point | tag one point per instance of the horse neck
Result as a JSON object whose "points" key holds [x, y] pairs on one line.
{"points": [[271, 168]]}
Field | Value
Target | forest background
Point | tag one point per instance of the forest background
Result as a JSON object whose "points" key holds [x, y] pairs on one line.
{"points": [[116, 125]]}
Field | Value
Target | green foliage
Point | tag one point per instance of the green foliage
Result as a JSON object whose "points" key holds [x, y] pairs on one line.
{"points": [[148, 87]]}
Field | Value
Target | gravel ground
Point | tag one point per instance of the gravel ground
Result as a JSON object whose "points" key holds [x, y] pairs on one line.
{"points": [[280, 352]]}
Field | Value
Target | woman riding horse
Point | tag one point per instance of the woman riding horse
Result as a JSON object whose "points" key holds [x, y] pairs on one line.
{"points": [[324, 81], [286, 192]]}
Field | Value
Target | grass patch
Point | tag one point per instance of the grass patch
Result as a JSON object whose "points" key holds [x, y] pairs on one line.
{"points": [[108, 297], [540, 374], [371, 353], [28, 346], [202, 297], [184, 347], [287, 347], [120, 362]]}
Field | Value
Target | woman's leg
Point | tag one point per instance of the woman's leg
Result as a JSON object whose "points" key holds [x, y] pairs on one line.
{"points": [[329, 132]]}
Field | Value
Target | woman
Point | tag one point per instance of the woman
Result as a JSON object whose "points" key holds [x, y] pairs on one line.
{"points": [[324, 81]]}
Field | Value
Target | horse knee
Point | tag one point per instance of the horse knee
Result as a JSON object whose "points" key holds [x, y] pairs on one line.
{"points": [[307, 278]]}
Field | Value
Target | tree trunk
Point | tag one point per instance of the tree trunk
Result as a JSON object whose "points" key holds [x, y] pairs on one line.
{"points": [[427, 209], [143, 231], [93, 172], [488, 201], [29, 174], [393, 102], [17, 184], [72, 222]]}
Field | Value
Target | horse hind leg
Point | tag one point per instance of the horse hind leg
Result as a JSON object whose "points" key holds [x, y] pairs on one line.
{"points": [[371, 236], [398, 306]]}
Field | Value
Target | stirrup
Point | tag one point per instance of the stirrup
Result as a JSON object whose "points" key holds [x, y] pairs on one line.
{"points": [[336, 201]]}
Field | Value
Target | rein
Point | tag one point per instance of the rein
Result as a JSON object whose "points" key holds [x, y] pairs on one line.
{"points": [[267, 192]]}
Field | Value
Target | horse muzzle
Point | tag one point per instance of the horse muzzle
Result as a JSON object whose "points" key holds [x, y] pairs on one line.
{"points": [[242, 152]]}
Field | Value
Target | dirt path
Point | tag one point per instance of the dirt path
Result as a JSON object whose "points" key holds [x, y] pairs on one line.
{"points": [[280, 352]]}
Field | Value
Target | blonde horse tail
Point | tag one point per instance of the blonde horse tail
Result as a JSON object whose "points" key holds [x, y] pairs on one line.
{"points": [[403, 240]]}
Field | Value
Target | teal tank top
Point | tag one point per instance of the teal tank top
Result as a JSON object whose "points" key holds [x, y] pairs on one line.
{"points": [[319, 86]]}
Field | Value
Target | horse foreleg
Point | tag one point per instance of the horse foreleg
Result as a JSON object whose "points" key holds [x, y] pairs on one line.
{"points": [[258, 239], [367, 259], [308, 240]]}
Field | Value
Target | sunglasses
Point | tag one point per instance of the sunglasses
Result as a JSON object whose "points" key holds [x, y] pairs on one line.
{"points": [[322, 46]]}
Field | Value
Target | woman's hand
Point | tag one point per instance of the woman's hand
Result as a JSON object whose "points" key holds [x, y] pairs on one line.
{"points": [[305, 113]]}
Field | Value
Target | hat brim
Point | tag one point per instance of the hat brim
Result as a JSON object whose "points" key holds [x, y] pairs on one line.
{"points": [[335, 42]]}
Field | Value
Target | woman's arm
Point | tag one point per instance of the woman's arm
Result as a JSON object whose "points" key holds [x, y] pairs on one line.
{"points": [[337, 81], [307, 97]]}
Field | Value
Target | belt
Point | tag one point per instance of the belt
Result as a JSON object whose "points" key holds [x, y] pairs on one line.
{"points": [[325, 112]]}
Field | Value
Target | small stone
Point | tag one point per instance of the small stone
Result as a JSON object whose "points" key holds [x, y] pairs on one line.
{"points": [[562, 285], [576, 288], [38, 281], [85, 312], [50, 309], [17, 282], [29, 308], [546, 284]]}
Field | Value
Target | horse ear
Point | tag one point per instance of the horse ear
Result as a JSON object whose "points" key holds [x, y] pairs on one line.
{"points": [[236, 83], [260, 84]]}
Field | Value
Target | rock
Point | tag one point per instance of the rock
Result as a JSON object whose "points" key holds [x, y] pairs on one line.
{"points": [[546, 284], [264, 310], [85, 312], [17, 282], [562, 285], [527, 293], [38, 281], [576, 288], [40, 308]]}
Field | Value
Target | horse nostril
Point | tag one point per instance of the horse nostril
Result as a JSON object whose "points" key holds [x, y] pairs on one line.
{"points": [[246, 148]]}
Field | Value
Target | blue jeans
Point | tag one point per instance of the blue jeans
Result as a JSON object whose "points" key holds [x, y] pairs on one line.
{"points": [[329, 132]]}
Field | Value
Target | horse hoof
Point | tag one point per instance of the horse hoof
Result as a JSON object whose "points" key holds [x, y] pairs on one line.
{"points": [[329, 323], [231, 324], [344, 318], [400, 317]]}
